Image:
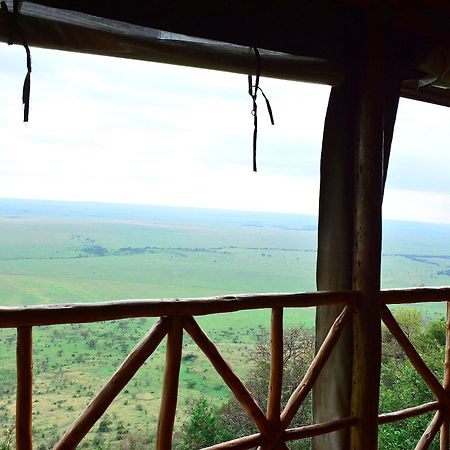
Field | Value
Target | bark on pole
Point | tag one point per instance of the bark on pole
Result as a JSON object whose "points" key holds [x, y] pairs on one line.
{"points": [[355, 154], [369, 183]]}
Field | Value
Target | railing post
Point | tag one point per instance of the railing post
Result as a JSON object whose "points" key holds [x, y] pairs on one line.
{"points": [[276, 368], [445, 438], [24, 439], [170, 386]]}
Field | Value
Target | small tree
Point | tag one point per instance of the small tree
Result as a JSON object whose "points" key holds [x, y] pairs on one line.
{"points": [[203, 428]]}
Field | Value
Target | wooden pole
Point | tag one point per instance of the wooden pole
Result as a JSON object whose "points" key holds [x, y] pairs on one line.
{"points": [[170, 386], [444, 437], [16, 316], [112, 388], [407, 413], [429, 434], [310, 377], [24, 440], [318, 429], [415, 295], [370, 169], [243, 443], [231, 379], [314, 369], [276, 368], [416, 360]]}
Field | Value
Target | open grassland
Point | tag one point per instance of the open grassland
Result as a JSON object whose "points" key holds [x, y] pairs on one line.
{"points": [[50, 255]]}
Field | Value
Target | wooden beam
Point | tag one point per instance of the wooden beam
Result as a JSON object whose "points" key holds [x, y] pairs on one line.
{"points": [[429, 434], [112, 388], [231, 379], [15, 316], [243, 443], [310, 377], [170, 386], [415, 295], [407, 413], [24, 438], [314, 369], [276, 368], [319, 428]]}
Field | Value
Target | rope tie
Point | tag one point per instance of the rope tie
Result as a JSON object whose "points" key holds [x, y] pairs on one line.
{"points": [[15, 31], [253, 90]]}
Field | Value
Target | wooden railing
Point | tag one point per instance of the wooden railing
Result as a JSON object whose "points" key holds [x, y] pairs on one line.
{"points": [[177, 316]]}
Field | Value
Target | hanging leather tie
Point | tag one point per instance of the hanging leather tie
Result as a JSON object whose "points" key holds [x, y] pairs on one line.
{"points": [[253, 92], [15, 33]]}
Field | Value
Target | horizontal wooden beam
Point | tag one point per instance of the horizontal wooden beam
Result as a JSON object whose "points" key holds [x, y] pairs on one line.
{"points": [[319, 428], [15, 316], [415, 295], [407, 413], [243, 443]]}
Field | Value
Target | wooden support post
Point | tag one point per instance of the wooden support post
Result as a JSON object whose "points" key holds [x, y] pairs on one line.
{"points": [[112, 388], [369, 182], [170, 386], [445, 438], [276, 368], [24, 389]]}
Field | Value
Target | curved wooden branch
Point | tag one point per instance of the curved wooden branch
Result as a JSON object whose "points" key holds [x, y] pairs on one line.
{"points": [[429, 434], [231, 379], [319, 428], [407, 413], [243, 443], [314, 369], [416, 360], [111, 389]]}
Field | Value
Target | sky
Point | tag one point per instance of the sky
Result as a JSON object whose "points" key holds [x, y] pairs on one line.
{"points": [[113, 130]]}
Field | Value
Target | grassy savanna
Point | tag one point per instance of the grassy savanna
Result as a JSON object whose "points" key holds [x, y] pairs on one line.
{"points": [[56, 252]]}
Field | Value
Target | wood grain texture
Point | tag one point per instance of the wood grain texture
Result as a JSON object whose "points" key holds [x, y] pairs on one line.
{"points": [[170, 385], [406, 413], [24, 439], [15, 316]]}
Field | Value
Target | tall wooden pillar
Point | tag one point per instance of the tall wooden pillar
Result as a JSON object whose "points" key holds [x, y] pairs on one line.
{"points": [[378, 99], [357, 139]]}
